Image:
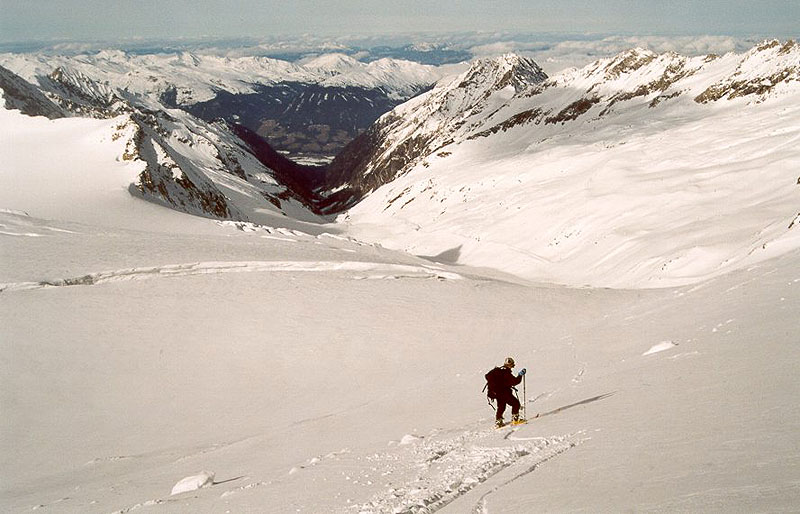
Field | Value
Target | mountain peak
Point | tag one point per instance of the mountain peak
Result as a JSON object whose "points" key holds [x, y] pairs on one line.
{"points": [[504, 70], [188, 59], [628, 61], [767, 68], [332, 63]]}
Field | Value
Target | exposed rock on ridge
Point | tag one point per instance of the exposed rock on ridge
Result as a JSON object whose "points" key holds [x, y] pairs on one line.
{"points": [[425, 124], [612, 175], [189, 165], [19, 94], [510, 92]]}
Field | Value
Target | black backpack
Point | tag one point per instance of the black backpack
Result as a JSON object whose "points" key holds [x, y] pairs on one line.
{"points": [[493, 378]]}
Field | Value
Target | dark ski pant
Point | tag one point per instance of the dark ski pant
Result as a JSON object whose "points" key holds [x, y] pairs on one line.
{"points": [[507, 399]]}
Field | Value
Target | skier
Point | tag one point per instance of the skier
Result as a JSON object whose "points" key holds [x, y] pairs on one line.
{"points": [[500, 382]]}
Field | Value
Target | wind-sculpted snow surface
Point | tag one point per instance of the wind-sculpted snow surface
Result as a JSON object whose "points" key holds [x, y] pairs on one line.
{"points": [[265, 361]]}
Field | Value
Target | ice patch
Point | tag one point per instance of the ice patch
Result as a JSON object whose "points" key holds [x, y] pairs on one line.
{"points": [[251, 486], [14, 212], [683, 355], [26, 234], [660, 347], [193, 483], [276, 238], [410, 439]]}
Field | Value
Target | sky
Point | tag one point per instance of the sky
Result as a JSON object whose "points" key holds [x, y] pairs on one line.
{"points": [[81, 20]]}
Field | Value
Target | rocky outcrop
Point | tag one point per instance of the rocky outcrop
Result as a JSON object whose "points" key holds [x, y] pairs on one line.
{"points": [[188, 164], [81, 95], [168, 178], [24, 96], [573, 110], [628, 62], [675, 71], [500, 95], [763, 69], [535, 115], [424, 125]]}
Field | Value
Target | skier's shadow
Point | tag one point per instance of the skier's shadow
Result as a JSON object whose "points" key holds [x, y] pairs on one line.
{"points": [[582, 402]]}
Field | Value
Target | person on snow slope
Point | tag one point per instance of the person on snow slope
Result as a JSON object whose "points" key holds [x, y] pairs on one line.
{"points": [[501, 382]]}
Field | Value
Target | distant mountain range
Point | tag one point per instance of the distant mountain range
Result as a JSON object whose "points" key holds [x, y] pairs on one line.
{"points": [[309, 108], [496, 165]]}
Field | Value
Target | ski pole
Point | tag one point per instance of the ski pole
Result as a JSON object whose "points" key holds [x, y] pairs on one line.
{"points": [[524, 399]]}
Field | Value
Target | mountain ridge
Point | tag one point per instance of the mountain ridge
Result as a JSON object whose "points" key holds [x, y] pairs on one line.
{"points": [[616, 174], [605, 84], [502, 166], [197, 77], [307, 111], [436, 115]]}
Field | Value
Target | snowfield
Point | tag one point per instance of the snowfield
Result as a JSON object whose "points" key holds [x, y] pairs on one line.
{"points": [[155, 361]]}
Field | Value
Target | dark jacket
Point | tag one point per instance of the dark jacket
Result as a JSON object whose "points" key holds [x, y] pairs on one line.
{"points": [[501, 380]]}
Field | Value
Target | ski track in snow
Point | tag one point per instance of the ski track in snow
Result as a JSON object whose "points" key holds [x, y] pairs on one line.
{"points": [[426, 474], [436, 472], [374, 270], [481, 508]]}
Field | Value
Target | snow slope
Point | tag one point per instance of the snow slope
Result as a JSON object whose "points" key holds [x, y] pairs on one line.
{"points": [[288, 366], [166, 156], [642, 170], [329, 387]]}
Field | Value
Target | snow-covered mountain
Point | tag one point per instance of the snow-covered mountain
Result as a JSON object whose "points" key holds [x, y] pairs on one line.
{"points": [[501, 166], [200, 168], [313, 107], [428, 122], [197, 78], [641, 170], [161, 362], [27, 98]]}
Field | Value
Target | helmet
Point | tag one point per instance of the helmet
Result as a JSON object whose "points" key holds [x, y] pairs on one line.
{"points": [[509, 362]]}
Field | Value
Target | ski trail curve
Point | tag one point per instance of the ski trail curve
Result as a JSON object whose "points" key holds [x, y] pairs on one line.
{"points": [[480, 506], [438, 471], [370, 270]]}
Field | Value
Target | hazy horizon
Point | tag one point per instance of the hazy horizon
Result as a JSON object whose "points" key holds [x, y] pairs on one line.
{"points": [[71, 20]]}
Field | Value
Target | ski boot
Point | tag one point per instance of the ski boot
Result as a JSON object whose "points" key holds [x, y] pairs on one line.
{"points": [[516, 420], [499, 423]]}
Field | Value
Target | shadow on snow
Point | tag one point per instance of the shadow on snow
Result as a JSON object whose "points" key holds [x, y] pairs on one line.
{"points": [[576, 404]]}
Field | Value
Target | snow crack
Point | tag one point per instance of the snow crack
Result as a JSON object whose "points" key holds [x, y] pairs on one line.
{"points": [[381, 270]]}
